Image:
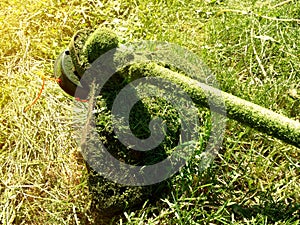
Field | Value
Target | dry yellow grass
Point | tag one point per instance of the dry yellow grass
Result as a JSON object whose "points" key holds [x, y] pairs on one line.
{"points": [[41, 172]]}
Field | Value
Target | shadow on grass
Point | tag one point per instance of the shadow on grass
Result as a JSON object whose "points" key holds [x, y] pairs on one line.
{"points": [[275, 211]]}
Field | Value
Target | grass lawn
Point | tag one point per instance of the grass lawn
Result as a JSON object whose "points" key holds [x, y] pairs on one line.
{"points": [[252, 47]]}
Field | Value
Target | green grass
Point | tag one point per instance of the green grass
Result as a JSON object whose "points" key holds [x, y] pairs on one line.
{"points": [[249, 45]]}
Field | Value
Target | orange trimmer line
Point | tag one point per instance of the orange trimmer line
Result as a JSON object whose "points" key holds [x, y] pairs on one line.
{"points": [[40, 92]]}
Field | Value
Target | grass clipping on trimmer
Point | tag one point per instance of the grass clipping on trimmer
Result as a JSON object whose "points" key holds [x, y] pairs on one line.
{"points": [[110, 197]]}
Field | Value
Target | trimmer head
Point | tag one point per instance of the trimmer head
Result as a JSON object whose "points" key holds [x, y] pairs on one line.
{"points": [[84, 48]]}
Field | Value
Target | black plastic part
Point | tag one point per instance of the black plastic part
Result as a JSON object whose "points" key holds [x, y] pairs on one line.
{"points": [[69, 81]]}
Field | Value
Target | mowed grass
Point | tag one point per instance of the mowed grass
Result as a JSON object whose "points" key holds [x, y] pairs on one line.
{"points": [[253, 48]]}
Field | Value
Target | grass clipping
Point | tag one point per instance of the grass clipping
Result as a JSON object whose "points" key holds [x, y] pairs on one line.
{"points": [[112, 197]]}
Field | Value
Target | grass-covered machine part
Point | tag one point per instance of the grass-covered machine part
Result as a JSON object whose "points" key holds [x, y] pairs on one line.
{"points": [[85, 47]]}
